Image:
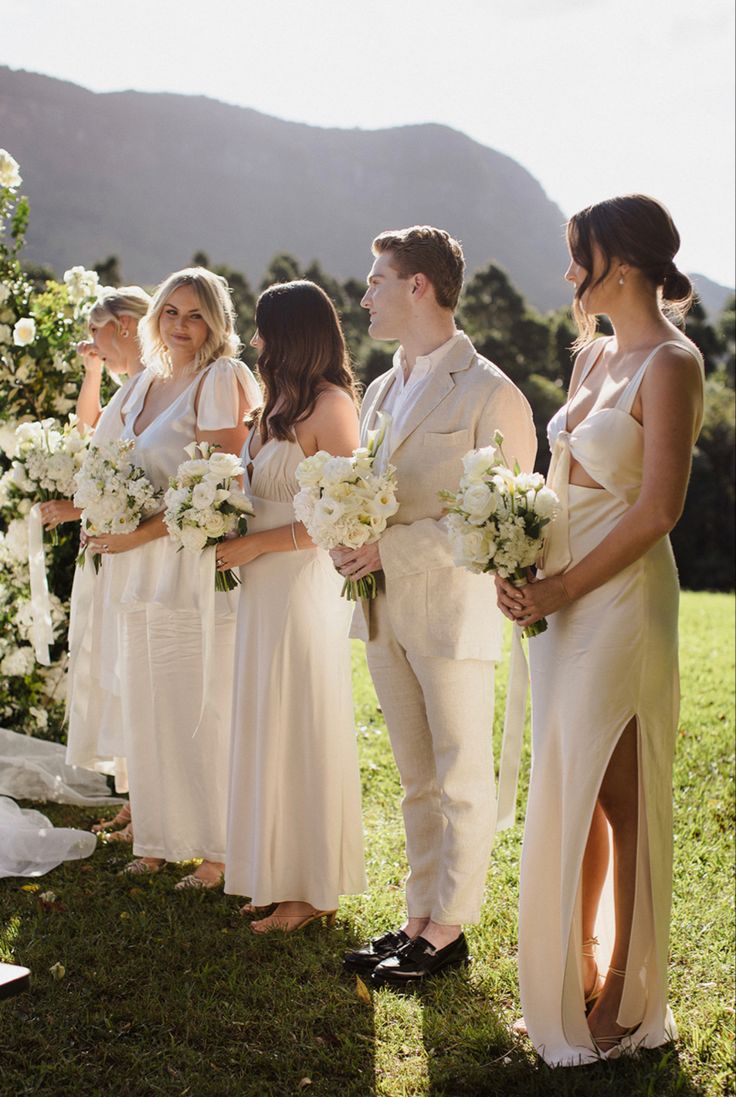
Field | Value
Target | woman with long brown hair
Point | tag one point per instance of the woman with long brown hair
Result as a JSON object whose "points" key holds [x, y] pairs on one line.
{"points": [[593, 929], [294, 828]]}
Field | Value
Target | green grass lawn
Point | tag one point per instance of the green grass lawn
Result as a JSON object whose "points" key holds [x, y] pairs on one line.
{"points": [[170, 993]]}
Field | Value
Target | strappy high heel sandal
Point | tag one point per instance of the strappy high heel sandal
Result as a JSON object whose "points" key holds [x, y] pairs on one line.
{"points": [[120, 820], [616, 1050], [518, 1028], [290, 923], [589, 946]]}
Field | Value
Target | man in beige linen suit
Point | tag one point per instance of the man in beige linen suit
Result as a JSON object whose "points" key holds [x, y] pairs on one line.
{"points": [[433, 631]]}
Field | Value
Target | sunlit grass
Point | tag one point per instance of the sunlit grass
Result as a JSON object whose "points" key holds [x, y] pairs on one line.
{"points": [[170, 993]]}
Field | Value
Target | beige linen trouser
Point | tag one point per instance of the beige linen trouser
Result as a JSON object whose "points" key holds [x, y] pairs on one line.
{"points": [[439, 714]]}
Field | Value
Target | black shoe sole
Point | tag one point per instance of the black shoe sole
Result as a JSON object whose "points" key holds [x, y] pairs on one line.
{"points": [[414, 983], [362, 967]]}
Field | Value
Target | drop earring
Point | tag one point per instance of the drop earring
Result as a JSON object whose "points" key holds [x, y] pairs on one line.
{"points": [[621, 280]]}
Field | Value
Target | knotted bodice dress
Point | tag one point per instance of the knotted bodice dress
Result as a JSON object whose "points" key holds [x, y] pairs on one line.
{"points": [[608, 657]]}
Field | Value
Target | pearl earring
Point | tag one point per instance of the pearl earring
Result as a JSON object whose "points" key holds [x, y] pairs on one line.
{"points": [[621, 280], [125, 333]]}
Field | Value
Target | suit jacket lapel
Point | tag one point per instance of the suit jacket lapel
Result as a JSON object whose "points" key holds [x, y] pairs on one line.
{"points": [[440, 383], [368, 414]]}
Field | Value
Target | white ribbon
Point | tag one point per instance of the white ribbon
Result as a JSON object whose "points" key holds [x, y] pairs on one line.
{"points": [[208, 621], [41, 631], [513, 732]]}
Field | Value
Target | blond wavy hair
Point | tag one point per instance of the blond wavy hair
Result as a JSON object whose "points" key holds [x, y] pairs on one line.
{"points": [[113, 302], [213, 295]]}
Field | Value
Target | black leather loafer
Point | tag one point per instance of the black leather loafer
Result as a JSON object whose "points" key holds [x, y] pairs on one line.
{"points": [[380, 948], [418, 960]]}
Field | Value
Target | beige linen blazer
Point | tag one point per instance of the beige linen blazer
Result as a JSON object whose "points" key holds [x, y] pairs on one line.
{"points": [[436, 608]]}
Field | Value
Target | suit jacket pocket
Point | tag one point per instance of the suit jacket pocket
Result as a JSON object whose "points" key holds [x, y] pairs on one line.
{"points": [[454, 439]]}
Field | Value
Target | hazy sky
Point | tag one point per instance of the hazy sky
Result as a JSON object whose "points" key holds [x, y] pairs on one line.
{"points": [[594, 97]]}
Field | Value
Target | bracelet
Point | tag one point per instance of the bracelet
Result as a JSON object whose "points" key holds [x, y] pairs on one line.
{"points": [[565, 591], [293, 537]]}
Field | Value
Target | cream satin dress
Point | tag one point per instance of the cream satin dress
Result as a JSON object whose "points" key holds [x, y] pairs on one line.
{"points": [[173, 647], [294, 822], [95, 736], [609, 656]]}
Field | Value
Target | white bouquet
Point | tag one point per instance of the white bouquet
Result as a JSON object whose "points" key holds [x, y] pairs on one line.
{"points": [[113, 493], [204, 506], [46, 461], [496, 518], [343, 502]]}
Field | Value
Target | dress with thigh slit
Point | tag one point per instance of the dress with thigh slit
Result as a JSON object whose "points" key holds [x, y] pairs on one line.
{"points": [[294, 821], [608, 657]]}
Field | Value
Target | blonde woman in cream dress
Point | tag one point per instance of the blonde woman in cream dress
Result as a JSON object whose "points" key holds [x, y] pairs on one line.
{"points": [[175, 635], [593, 929], [94, 736], [295, 836]]}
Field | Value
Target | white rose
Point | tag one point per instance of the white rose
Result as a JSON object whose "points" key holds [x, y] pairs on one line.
{"points": [[357, 535], [477, 462], [479, 502], [10, 176], [224, 465], [203, 496], [546, 503], [193, 538], [24, 331], [216, 525]]}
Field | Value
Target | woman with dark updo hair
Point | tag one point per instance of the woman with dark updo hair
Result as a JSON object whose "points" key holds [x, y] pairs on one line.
{"points": [[295, 837], [593, 928]]}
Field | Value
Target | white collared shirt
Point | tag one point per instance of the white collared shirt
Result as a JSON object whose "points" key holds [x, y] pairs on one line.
{"points": [[403, 394]]}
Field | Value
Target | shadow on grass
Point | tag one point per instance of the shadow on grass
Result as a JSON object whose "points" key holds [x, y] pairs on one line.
{"points": [[171, 993], [470, 1053]]}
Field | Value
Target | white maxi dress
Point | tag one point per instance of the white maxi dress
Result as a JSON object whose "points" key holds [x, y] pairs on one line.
{"points": [[95, 734], [174, 643], [294, 822], [607, 658]]}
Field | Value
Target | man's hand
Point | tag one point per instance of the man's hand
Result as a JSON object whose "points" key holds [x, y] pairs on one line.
{"points": [[357, 563]]}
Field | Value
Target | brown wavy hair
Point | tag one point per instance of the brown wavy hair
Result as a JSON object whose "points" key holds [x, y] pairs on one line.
{"points": [[633, 229], [425, 250], [304, 350]]}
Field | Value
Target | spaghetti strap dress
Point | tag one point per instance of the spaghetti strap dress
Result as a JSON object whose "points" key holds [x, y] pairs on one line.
{"points": [[608, 657], [294, 820]]}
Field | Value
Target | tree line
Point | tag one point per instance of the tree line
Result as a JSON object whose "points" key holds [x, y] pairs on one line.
{"points": [[534, 350]]}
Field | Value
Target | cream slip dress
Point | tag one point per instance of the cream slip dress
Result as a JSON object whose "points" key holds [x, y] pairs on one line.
{"points": [[609, 656], [294, 819], [95, 734], [173, 647]]}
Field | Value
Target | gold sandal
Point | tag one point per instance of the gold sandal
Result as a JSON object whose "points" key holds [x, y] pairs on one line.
{"points": [[616, 1051], [276, 922]]}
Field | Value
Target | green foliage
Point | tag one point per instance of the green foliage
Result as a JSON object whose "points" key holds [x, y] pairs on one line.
{"points": [[39, 379]]}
